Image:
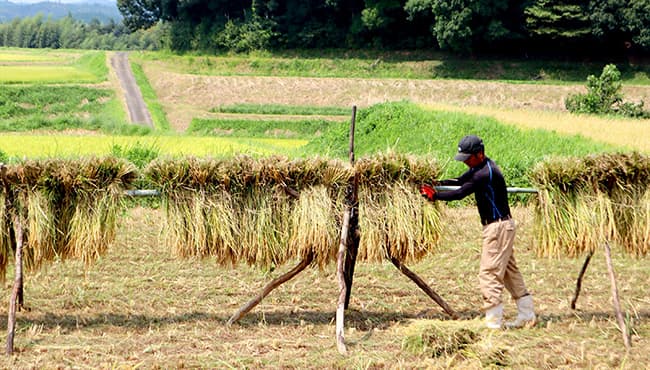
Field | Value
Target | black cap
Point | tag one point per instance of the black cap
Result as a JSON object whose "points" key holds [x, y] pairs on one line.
{"points": [[470, 144]]}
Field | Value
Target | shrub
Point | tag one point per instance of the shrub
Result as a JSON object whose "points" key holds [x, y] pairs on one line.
{"points": [[604, 97], [138, 154]]}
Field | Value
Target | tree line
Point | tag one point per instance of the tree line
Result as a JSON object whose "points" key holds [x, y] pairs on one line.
{"points": [[69, 33], [461, 26]]}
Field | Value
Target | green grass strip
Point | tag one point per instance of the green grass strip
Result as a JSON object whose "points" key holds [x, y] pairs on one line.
{"points": [[405, 127], [306, 129], [94, 63], [246, 108], [151, 99]]}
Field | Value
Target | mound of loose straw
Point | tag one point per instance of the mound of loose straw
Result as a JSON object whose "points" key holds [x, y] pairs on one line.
{"points": [[68, 207], [239, 210], [584, 202]]}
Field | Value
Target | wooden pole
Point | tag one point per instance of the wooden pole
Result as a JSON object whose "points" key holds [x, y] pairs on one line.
{"points": [[425, 287], [615, 300], [16, 234], [340, 274], [579, 282], [11, 318], [352, 199], [269, 288]]}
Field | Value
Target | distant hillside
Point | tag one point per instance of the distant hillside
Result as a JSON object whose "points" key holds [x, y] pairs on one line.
{"points": [[102, 10]]}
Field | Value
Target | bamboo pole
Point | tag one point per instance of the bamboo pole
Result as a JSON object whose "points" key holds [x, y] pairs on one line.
{"points": [[340, 274], [425, 287], [269, 288], [579, 282], [615, 300]]}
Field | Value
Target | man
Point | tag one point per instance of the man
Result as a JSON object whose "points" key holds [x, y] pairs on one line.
{"points": [[498, 268]]}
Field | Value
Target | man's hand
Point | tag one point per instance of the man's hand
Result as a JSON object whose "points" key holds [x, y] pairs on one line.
{"points": [[428, 192]]}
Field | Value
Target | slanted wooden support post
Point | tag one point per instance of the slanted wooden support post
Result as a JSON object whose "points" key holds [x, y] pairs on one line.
{"points": [[579, 282], [425, 287], [278, 281], [269, 288], [16, 234], [615, 300], [18, 283], [352, 199]]}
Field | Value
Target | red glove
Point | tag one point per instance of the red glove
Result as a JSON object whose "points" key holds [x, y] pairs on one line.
{"points": [[428, 192]]}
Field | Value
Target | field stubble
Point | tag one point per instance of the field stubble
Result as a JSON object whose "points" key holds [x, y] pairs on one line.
{"points": [[139, 306]]}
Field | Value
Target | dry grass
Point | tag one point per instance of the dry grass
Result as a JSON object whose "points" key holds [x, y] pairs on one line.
{"points": [[631, 133], [139, 306]]}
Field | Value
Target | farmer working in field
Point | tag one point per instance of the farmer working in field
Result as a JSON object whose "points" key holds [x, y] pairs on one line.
{"points": [[498, 268]]}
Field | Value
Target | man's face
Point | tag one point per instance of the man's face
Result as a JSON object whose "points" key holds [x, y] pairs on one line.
{"points": [[474, 160]]}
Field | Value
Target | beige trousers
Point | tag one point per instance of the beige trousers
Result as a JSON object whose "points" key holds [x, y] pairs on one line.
{"points": [[498, 266]]}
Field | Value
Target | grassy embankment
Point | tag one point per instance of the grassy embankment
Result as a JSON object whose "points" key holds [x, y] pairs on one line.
{"points": [[373, 64]]}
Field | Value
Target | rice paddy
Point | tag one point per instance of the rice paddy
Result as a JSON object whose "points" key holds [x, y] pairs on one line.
{"points": [[49, 74], [71, 145]]}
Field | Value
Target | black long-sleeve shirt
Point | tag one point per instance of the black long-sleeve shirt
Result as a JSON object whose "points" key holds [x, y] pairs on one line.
{"points": [[489, 187]]}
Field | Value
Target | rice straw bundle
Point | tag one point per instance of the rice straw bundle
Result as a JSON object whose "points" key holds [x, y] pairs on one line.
{"points": [[583, 202], [315, 225], [70, 206], [393, 216], [238, 210]]}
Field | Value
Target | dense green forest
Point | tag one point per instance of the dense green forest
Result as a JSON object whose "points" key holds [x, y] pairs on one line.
{"points": [[519, 28], [462, 26]]}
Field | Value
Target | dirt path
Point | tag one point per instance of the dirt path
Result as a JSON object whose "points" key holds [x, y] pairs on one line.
{"points": [[138, 112]]}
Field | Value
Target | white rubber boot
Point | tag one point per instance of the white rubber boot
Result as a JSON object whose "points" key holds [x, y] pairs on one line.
{"points": [[525, 314], [494, 317]]}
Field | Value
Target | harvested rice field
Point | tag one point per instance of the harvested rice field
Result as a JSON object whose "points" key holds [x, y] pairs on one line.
{"points": [[141, 306]]}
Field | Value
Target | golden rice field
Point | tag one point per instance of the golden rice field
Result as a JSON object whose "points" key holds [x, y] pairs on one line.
{"points": [[40, 73], [15, 57], [62, 145], [42, 66]]}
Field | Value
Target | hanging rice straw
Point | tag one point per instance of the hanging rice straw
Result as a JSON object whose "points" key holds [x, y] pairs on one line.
{"points": [[583, 202], [70, 206]]}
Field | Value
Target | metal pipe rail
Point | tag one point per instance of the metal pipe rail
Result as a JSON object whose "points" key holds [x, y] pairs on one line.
{"points": [[155, 193], [510, 189]]}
